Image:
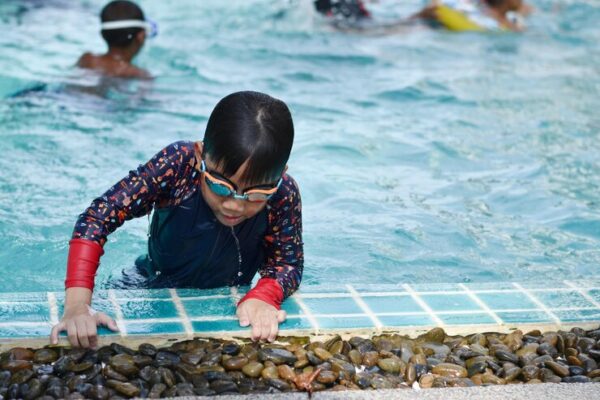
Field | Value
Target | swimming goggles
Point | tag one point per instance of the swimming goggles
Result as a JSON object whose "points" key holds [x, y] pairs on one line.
{"points": [[151, 27], [223, 187]]}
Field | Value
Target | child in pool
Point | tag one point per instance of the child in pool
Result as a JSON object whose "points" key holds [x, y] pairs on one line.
{"points": [[124, 31], [224, 209]]}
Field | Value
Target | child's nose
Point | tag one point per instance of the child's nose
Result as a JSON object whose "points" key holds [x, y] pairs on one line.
{"points": [[234, 205]]}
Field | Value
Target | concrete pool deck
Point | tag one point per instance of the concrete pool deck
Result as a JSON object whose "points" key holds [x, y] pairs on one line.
{"points": [[545, 391]]}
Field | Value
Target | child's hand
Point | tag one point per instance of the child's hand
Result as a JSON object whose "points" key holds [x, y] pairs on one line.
{"points": [[263, 317], [80, 322]]}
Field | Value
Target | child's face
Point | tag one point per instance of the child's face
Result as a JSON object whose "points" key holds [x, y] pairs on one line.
{"points": [[230, 211]]}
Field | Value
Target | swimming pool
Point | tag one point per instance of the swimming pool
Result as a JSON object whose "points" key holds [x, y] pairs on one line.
{"points": [[422, 157]]}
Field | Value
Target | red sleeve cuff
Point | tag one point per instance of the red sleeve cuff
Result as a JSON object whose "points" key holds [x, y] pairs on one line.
{"points": [[83, 261], [267, 290]]}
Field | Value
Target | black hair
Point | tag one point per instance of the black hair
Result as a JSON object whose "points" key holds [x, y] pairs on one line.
{"points": [[117, 11], [254, 127]]}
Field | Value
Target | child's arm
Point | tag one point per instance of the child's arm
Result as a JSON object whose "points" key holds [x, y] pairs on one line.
{"points": [[133, 196], [282, 271]]}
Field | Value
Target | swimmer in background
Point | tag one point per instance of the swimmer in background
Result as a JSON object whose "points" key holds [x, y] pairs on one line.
{"points": [[352, 15], [124, 28], [483, 14]]}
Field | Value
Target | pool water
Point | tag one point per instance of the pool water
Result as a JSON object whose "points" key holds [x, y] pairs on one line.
{"points": [[423, 156]]}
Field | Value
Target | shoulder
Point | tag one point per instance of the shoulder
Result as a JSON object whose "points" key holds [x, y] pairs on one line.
{"points": [[287, 194], [181, 151], [86, 60]]}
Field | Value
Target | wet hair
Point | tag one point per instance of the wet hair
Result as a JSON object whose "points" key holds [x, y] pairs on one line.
{"points": [[496, 3], [253, 127], [117, 11]]}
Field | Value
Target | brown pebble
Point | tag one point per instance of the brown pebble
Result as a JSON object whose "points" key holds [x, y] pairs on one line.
{"points": [[253, 369], [355, 356], [492, 379], [286, 372], [558, 369], [426, 381], [270, 373], [326, 377], [235, 363], [450, 370], [322, 354], [370, 358]]}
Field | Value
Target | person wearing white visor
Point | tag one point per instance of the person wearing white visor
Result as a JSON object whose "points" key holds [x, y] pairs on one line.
{"points": [[124, 29]]}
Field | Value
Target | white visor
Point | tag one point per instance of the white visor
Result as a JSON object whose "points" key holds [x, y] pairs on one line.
{"points": [[125, 23]]}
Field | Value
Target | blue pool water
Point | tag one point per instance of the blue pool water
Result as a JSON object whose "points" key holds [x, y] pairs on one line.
{"points": [[423, 156]]}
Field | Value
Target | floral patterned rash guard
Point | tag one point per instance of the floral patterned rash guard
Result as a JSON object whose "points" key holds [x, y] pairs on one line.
{"points": [[187, 246]]}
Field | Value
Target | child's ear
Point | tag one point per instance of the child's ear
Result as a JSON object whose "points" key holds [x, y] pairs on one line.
{"points": [[141, 36]]}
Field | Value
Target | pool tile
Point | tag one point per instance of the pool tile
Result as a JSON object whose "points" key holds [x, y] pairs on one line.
{"points": [[507, 301], [578, 315], [594, 294], [296, 323], [436, 287], [205, 292], [218, 326], [30, 312], [20, 331], [467, 319], [38, 297], [476, 286], [147, 309], [291, 307], [371, 288], [209, 307], [145, 294], [406, 320], [524, 317], [333, 288], [153, 328], [562, 299], [335, 305], [544, 284], [390, 304], [450, 302], [345, 322]]}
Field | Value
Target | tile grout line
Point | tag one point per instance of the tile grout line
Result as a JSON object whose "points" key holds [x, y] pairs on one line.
{"points": [[538, 302], [481, 304], [309, 315], [118, 313], [423, 305], [53, 305], [367, 310], [185, 320], [584, 293]]}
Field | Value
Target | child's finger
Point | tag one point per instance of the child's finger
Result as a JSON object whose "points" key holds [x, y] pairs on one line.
{"points": [[105, 320], [92, 332], [265, 326], [72, 333], [281, 316], [255, 329], [243, 316], [82, 334], [56, 329], [273, 330]]}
